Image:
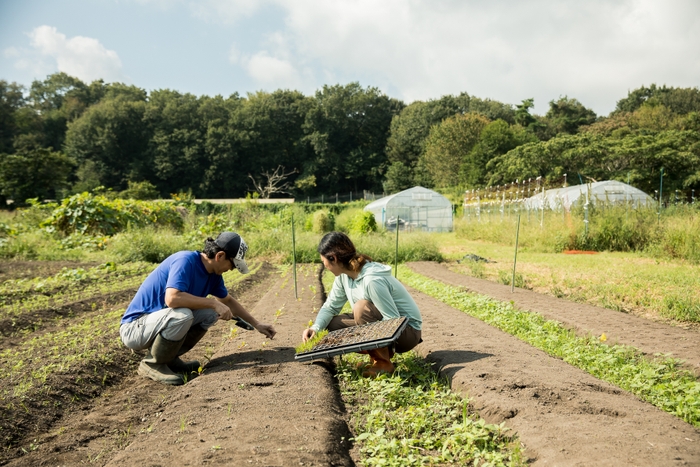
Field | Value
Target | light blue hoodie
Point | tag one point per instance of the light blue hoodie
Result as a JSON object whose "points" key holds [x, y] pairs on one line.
{"points": [[376, 284]]}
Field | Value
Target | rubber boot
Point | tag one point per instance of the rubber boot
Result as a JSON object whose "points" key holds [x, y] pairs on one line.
{"points": [[193, 336], [155, 365], [381, 363]]}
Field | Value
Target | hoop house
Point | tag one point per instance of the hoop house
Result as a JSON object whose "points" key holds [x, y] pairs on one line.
{"points": [[417, 208], [607, 192]]}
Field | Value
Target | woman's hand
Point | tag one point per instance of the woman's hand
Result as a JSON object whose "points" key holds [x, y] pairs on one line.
{"points": [[307, 334]]}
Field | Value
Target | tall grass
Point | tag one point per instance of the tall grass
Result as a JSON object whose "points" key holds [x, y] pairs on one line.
{"points": [[380, 246], [673, 234]]}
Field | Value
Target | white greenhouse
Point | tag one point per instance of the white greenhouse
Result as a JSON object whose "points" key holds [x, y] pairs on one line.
{"points": [[417, 208], [607, 192]]}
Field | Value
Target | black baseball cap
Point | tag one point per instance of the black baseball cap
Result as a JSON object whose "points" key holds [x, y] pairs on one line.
{"points": [[235, 249]]}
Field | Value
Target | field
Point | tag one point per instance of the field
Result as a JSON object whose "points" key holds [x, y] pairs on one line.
{"points": [[593, 359]]}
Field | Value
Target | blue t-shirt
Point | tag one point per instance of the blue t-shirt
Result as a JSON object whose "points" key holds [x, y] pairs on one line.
{"points": [[183, 271]]}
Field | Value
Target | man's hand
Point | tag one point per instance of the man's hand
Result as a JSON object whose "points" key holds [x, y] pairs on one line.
{"points": [[308, 334], [222, 310], [266, 329]]}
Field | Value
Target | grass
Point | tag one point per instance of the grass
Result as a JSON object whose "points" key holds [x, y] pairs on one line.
{"points": [[412, 418], [661, 382], [623, 281]]}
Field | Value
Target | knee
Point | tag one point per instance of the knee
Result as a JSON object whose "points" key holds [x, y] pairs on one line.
{"points": [[360, 308], [364, 311], [206, 318], [179, 323]]}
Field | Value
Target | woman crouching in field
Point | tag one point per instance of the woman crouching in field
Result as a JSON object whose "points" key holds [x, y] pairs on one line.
{"points": [[374, 295]]}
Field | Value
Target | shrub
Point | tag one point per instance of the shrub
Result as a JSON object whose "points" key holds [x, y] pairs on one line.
{"points": [[140, 190], [87, 213], [148, 244], [322, 221], [344, 219], [363, 222]]}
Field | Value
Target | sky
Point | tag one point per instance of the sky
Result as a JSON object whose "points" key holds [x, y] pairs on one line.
{"points": [[595, 50]]}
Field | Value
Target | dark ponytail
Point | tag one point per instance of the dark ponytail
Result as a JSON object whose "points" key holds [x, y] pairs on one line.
{"points": [[336, 246]]}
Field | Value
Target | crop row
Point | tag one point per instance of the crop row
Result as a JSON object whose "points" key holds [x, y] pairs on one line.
{"points": [[18, 289], [662, 382], [412, 418]]}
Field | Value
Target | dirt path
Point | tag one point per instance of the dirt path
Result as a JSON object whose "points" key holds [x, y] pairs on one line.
{"points": [[253, 405], [648, 336], [563, 416]]}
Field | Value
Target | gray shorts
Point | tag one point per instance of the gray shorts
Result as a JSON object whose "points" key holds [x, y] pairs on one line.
{"points": [[171, 323]]}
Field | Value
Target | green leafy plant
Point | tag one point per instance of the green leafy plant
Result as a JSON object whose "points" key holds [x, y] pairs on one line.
{"points": [[412, 418]]}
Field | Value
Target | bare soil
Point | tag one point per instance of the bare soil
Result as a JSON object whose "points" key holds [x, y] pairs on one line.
{"points": [[254, 405], [562, 415]]}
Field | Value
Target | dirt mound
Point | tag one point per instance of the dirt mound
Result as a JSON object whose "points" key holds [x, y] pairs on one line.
{"points": [[562, 415], [648, 336]]}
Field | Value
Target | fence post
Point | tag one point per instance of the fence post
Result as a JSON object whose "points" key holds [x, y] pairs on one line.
{"points": [[336, 198], [515, 258], [661, 195], [294, 258], [542, 218], [396, 254]]}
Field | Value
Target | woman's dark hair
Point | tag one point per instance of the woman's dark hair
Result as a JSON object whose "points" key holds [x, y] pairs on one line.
{"points": [[336, 246], [211, 248]]}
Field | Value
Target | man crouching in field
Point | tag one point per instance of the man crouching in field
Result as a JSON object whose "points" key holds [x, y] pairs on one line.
{"points": [[171, 312]]}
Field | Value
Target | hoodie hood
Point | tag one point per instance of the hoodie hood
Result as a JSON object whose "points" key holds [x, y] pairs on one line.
{"points": [[374, 269]]}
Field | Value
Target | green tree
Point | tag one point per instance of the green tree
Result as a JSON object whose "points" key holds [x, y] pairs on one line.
{"points": [[273, 135], [40, 173], [11, 100], [112, 135], [496, 139], [448, 146], [399, 177], [680, 101], [566, 115], [347, 127], [638, 155]]}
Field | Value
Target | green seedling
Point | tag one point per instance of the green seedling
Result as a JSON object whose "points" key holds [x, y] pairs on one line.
{"points": [[183, 423], [308, 345]]}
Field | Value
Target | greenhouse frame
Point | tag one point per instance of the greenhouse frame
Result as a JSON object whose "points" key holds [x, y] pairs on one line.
{"points": [[417, 208]]}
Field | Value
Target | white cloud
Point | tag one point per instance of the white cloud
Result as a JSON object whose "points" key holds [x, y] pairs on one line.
{"points": [[83, 57], [271, 72], [594, 51], [11, 52]]}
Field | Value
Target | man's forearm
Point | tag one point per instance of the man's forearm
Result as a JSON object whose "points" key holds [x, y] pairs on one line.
{"points": [[238, 310], [180, 299]]}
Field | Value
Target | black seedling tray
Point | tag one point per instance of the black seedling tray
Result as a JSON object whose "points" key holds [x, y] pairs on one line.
{"points": [[356, 338]]}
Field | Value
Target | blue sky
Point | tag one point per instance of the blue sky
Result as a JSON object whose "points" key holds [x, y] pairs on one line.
{"points": [[595, 51]]}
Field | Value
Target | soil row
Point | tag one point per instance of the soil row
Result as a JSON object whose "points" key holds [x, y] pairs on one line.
{"points": [[562, 415], [253, 404]]}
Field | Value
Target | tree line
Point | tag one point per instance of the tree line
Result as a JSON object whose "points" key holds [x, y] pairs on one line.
{"points": [[64, 136]]}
